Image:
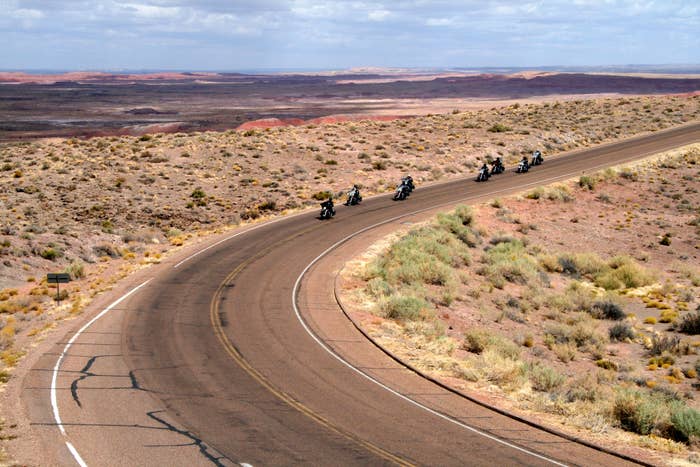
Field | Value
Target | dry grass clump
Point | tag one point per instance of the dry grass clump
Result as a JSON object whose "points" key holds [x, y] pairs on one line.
{"points": [[654, 412], [509, 261], [553, 193], [620, 272], [420, 268]]}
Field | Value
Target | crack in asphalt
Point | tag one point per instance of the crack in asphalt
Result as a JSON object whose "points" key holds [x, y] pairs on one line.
{"points": [[195, 441], [86, 373], [203, 448]]}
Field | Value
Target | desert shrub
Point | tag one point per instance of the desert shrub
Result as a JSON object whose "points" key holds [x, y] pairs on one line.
{"points": [[535, 193], [559, 193], [378, 287], [607, 309], [665, 240], [425, 255], [586, 181], [198, 193], [379, 165], [690, 323], [49, 253], [665, 343], [565, 352], [665, 358], [624, 272], [76, 270], [544, 378], [583, 264], [508, 373], [464, 214], [250, 214], [498, 128], [454, 224], [621, 332], [403, 308], [628, 174], [321, 195], [668, 316], [584, 388], [105, 249], [639, 412], [5, 294], [686, 424], [269, 205], [478, 341], [509, 261]]}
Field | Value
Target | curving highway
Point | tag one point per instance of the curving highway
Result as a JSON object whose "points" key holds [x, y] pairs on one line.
{"points": [[238, 354]]}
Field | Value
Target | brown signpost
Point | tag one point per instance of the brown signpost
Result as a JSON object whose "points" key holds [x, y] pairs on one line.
{"points": [[58, 278]]}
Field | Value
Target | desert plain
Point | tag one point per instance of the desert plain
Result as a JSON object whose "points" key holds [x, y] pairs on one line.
{"points": [[103, 175]]}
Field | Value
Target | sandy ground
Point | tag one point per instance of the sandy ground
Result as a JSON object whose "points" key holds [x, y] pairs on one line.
{"points": [[104, 207], [627, 212]]}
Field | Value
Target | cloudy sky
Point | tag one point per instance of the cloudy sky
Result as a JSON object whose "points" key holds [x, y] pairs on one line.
{"points": [[324, 34]]}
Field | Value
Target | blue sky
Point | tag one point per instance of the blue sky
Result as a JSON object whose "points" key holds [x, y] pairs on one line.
{"points": [[306, 34]]}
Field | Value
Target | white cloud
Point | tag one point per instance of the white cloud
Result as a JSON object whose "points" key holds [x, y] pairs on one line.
{"points": [[439, 21], [378, 15], [152, 11]]}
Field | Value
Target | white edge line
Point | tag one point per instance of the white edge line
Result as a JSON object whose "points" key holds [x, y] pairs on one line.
{"points": [[382, 385], [377, 382], [77, 457], [54, 377]]}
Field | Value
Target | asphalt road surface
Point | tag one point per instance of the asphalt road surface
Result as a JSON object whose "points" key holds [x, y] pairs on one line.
{"points": [[238, 353]]}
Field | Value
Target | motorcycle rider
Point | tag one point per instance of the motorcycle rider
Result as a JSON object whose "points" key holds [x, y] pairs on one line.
{"points": [[524, 164], [484, 171], [536, 157], [497, 166], [353, 196], [328, 204], [408, 181]]}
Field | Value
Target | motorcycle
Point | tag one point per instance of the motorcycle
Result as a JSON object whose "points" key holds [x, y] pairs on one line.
{"points": [[537, 158], [327, 209], [483, 175], [402, 191], [522, 167], [353, 197], [497, 167], [408, 181]]}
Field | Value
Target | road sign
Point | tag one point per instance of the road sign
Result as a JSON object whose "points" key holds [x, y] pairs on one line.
{"points": [[58, 278]]}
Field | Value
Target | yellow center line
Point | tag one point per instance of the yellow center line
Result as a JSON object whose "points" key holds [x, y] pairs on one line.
{"points": [[257, 376]]}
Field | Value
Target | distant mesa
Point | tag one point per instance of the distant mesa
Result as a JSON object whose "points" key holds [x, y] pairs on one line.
{"points": [[270, 123], [149, 111]]}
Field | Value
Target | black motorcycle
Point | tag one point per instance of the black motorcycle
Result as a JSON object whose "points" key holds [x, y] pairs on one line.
{"points": [[327, 209], [522, 167], [497, 167], [402, 191], [483, 174], [408, 181], [537, 158], [354, 197]]}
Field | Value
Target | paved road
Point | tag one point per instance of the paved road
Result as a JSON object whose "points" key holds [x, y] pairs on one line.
{"points": [[212, 361]]}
